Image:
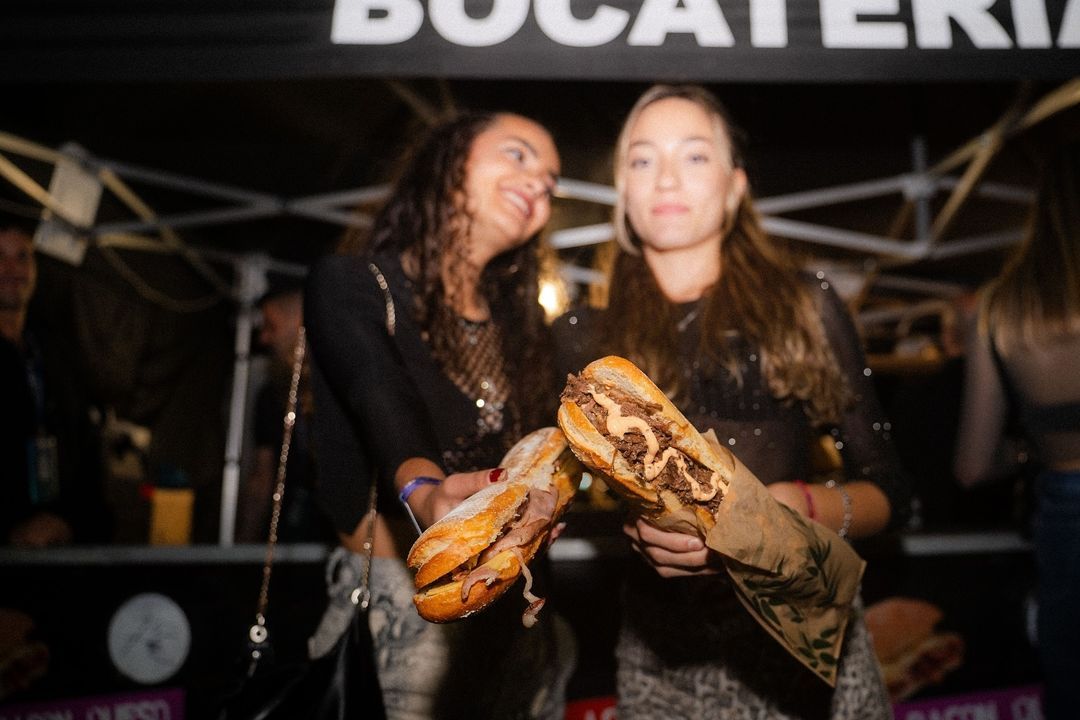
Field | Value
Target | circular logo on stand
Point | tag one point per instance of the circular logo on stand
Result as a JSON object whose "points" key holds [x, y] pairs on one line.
{"points": [[149, 638]]}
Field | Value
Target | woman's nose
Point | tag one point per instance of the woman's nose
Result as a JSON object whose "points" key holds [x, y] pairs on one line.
{"points": [[666, 175], [536, 186]]}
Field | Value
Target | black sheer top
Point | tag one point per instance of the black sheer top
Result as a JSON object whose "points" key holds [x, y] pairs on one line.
{"points": [[380, 399], [773, 438]]}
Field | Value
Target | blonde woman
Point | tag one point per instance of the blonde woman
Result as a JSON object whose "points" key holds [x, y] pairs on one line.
{"points": [[712, 310]]}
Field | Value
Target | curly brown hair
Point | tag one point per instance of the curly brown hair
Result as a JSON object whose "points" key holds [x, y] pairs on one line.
{"points": [[784, 322], [425, 221]]}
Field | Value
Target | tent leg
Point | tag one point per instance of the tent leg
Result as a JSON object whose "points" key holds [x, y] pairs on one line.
{"points": [[252, 272]]}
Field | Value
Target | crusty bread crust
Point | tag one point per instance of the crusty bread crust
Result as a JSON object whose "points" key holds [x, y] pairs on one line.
{"points": [[540, 461], [927, 663], [898, 624], [465, 531], [442, 602], [910, 650], [663, 508]]}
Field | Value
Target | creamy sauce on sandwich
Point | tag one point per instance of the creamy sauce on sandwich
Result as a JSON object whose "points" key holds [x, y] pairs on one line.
{"points": [[618, 425]]}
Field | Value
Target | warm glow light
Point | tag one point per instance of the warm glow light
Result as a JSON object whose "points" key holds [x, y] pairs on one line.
{"points": [[553, 297], [549, 296]]}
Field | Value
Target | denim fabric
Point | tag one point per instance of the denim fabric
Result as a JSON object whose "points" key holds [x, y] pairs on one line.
{"points": [[1057, 558]]}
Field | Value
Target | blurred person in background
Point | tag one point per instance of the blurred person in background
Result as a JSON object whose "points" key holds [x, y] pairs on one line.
{"points": [[51, 491], [302, 520], [1023, 370]]}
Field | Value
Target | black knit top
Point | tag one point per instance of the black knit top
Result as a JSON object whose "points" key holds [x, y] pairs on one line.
{"points": [[380, 399]]}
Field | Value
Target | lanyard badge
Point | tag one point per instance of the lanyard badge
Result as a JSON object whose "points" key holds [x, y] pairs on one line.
{"points": [[43, 465]]}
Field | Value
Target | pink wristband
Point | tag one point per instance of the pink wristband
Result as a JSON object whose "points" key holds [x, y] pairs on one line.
{"points": [[809, 499]]}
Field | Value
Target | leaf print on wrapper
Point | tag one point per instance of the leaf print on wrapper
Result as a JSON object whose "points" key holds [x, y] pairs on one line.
{"points": [[782, 600]]}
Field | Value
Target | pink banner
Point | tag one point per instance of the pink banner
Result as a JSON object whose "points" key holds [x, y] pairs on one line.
{"points": [[165, 704], [1021, 703]]}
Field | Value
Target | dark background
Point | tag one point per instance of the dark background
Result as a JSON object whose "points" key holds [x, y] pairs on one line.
{"points": [[251, 95]]}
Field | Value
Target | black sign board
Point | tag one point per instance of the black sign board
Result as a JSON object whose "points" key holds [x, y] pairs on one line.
{"points": [[699, 40]]}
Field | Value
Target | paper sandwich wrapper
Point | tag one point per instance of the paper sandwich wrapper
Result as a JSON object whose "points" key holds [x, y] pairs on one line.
{"points": [[797, 578]]}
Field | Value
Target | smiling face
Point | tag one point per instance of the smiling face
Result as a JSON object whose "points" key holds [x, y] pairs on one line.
{"points": [[676, 177], [510, 174]]}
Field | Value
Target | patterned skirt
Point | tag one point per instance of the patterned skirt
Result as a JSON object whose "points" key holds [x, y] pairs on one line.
{"points": [[688, 649], [487, 666]]}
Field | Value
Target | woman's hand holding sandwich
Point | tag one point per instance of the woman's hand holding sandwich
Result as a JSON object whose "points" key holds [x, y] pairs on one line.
{"points": [[429, 501], [671, 554]]}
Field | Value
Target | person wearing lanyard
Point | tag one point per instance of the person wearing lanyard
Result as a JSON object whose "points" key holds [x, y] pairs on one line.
{"points": [[52, 494]]}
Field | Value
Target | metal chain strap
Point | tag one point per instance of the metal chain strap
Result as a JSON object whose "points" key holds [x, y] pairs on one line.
{"points": [[258, 633], [391, 314], [361, 595]]}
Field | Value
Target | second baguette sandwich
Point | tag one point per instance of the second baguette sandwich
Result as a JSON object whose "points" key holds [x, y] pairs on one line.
{"points": [[477, 551]]}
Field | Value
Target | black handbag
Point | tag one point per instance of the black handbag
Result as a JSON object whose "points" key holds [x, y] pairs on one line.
{"points": [[340, 685]]}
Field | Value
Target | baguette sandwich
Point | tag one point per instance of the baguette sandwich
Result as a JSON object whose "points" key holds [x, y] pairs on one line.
{"points": [[477, 551], [912, 652], [617, 421], [796, 578]]}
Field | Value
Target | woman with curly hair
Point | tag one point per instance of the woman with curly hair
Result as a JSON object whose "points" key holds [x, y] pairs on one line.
{"points": [[427, 365], [747, 346]]}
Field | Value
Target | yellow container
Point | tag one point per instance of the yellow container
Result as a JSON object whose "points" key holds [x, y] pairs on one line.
{"points": [[170, 516]]}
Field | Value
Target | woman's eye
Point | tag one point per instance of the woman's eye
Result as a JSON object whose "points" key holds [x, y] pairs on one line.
{"points": [[516, 153], [698, 158], [639, 163]]}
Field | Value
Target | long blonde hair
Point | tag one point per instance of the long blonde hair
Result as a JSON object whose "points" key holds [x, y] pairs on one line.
{"points": [[1037, 295], [760, 296]]}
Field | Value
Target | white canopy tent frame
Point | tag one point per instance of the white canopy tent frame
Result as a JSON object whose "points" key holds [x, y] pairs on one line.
{"points": [[338, 208], [825, 235]]}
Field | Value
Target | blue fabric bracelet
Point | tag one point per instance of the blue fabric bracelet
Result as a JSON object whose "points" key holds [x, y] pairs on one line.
{"points": [[409, 489]]}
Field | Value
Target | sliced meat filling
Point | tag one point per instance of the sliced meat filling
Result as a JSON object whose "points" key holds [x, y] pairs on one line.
{"points": [[536, 514], [661, 465], [580, 392]]}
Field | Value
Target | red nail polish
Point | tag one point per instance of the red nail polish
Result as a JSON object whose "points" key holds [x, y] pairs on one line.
{"points": [[496, 475]]}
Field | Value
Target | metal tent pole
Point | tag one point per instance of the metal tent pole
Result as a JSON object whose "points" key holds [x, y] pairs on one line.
{"points": [[252, 273]]}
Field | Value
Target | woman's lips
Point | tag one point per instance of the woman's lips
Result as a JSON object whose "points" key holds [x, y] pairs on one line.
{"points": [[669, 209], [520, 201]]}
